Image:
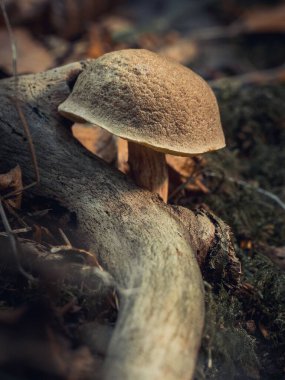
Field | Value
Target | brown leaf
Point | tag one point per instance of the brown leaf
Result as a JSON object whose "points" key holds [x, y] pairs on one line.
{"points": [[10, 182], [188, 168], [250, 326], [42, 234], [11, 316], [96, 140], [32, 57], [83, 365], [22, 11], [185, 166], [182, 51], [70, 17], [265, 20], [90, 258], [264, 331], [35, 344], [150, 41], [186, 171], [117, 24], [276, 254], [99, 41]]}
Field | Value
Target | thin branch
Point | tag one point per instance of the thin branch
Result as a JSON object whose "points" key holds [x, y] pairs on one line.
{"points": [[191, 179], [13, 243], [17, 231], [258, 76], [8, 230], [65, 238], [16, 99], [259, 190], [18, 191], [217, 32], [13, 212]]}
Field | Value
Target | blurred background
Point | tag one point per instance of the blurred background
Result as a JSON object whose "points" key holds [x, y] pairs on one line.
{"points": [[233, 39], [215, 38]]}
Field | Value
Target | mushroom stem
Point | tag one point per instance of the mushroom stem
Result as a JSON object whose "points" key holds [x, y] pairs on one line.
{"points": [[148, 169]]}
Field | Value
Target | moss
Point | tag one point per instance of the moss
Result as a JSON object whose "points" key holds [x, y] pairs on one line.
{"points": [[254, 121], [228, 350]]}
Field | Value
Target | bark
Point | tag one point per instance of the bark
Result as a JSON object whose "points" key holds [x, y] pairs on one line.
{"points": [[139, 240]]}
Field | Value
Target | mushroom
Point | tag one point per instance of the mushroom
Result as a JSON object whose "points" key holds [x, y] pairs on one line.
{"points": [[158, 105]]}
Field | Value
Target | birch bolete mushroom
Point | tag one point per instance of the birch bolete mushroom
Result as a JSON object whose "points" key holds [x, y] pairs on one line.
{"points": [[158, 105]]}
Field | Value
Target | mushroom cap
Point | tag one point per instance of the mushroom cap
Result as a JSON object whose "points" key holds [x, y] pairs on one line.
{"points": [[146, 98]]}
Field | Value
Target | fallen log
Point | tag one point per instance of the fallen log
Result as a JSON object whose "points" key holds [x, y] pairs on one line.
{"points": [[142, 242]]}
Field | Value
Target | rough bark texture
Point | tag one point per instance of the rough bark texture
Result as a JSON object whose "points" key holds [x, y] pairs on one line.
{"points": [[148, 169], [139, 240]]}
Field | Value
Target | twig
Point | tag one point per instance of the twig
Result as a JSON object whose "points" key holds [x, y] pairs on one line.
{"points": [[17, 231], [8, 230], [181, 187], [190, 179], [12, 211], [16, 99], [259, 190], [20, 190], [68, 247], [11, 236], [13, 243], [261, 76], [217, 32], [65, 238]]}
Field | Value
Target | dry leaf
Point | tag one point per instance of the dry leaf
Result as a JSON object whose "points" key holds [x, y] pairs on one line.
{"points": [[149, 41], [99, 41], [276, 254], [42, 234], [32, 57], [70, 17], [34, 344], [265, 20], [250, 326], [264, 331], [83, 365], [116, 24], [96, 336], [11, 316], [96, 140], [185, 166], [22, 11], [89, 257], [10, 182], [182, 51], [96, 47], [246, 244], [188, 168]]}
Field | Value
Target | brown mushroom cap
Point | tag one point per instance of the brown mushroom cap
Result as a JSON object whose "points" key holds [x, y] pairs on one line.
{"points": [[145, 98]]}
